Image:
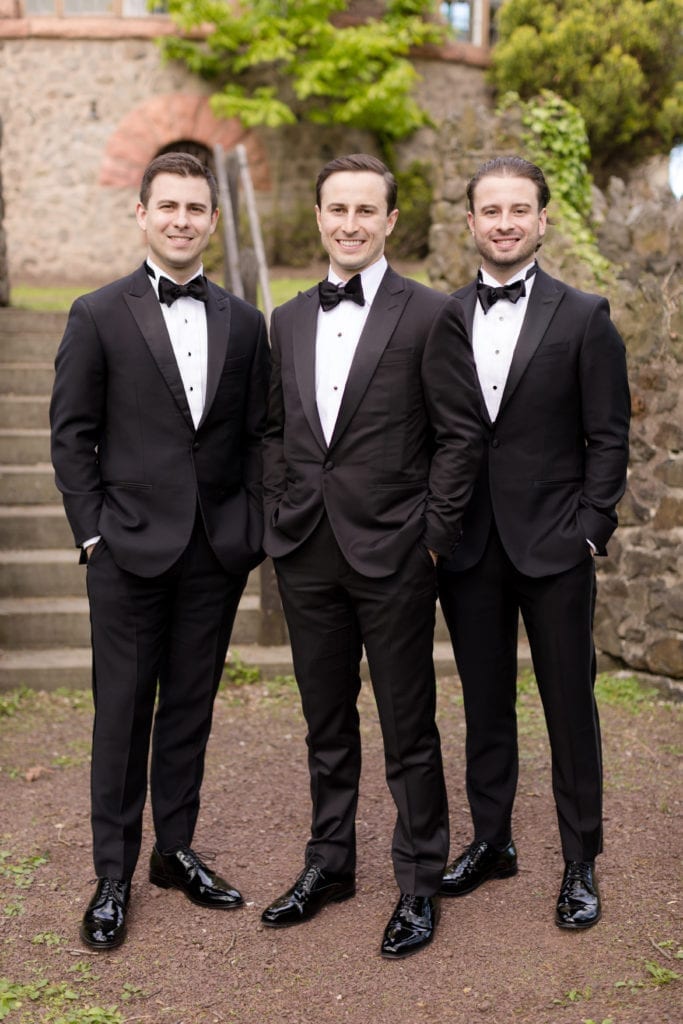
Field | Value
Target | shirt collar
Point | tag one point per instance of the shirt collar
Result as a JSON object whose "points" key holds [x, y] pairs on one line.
{"points": [[520, 275], [371, 278], [158, 272]]}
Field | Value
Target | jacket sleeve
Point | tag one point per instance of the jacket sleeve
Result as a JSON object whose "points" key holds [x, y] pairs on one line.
{"points": [[606, 410], [274, 473], [452, 397], [76, 419]]}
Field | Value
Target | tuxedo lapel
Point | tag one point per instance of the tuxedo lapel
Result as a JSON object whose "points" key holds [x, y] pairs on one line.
{"points": [[543, 302], [468, 300], [383, 317], [144, 306], [218, 332], [304, 324]]}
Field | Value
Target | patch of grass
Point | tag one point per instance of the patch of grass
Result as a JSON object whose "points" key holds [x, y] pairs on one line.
{"points": [[22, 871], [623, 691], [15, 700], [59, 300]]}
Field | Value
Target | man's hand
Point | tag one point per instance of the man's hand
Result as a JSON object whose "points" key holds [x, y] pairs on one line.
{"points": [[433, 554]]}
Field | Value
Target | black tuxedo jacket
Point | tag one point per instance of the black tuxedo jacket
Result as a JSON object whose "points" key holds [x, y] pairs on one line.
{"points": [[557, 454], [127, 457], [407, 442]]}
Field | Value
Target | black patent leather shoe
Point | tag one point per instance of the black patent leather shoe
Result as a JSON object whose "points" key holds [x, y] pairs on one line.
{"points": [[184, 870], [578, 905], [477, 864], [411, 926], [104, 922], [309, 894]]}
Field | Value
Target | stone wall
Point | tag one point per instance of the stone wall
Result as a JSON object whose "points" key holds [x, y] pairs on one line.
{"points": [[639, 226], [4, 269], [83, 114]]}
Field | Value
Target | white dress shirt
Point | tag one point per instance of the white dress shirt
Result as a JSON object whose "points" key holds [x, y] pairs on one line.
{"points": [[186, 325], [494, 338], [338, 332]]}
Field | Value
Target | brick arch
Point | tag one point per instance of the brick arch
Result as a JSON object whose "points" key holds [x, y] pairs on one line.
{"points": [[163, 120]]}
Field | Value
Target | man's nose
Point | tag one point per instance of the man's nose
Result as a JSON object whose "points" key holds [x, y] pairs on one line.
{"points": [[349, 225]]}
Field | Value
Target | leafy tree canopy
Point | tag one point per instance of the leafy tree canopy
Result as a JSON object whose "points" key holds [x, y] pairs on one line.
{"points": [[620, 62], [281, 61]]}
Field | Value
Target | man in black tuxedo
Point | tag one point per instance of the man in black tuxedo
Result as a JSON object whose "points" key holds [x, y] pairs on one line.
{"points": [[157, 416], [555, 409], [372, 444]]}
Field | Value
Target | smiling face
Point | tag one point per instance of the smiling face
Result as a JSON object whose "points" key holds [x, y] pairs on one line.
{"points": [[353, 220], [506, 223], [178, 222]]}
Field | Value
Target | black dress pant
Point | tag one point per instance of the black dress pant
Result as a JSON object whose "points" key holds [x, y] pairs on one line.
{"points": [[332, 611], [481, 606], [167, 634]]}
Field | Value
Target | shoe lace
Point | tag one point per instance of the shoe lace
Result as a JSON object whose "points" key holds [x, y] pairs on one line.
{"points": [[409, 902], [194, 859], [308, 877], [578, 878], [111, 888]]}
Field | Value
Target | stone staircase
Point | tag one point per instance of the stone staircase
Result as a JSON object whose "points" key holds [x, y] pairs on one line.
{"points": [[44, 623]]}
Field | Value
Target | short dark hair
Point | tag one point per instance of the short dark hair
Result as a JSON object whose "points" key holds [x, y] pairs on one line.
{"points": [[359, 162], [184, 164], [510, 167]]}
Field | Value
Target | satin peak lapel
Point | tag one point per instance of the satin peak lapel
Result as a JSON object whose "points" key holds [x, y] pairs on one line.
{"points": [[543, 302], [217, 332], [303, 325], [383, 317], [145, 308]]}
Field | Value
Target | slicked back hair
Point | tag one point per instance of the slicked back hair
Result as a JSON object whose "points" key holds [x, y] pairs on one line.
{"points": [[359, 162], [183, 164], [510, 167]]}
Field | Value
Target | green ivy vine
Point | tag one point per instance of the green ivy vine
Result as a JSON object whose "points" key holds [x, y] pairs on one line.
{"points": [[555, 138]]}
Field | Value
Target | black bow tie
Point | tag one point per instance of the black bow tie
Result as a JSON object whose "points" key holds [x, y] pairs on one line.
{"points": [[332, 294], [488, 295], [169, 291]]}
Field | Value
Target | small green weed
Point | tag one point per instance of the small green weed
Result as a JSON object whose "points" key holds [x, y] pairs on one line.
{"points": [[15, 700], [574, 995], [47, 939], [238, 673], [23, 871], [660, 975]]}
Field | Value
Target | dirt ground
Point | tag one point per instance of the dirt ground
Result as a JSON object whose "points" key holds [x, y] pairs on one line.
{"points": [[497, 956]]}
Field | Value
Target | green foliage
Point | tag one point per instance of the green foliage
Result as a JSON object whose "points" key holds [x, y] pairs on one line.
{"points": [[555, 138], [625, 692], [238, 673], [619, 61], [410, 238], [53, 1001], [335, 72]]}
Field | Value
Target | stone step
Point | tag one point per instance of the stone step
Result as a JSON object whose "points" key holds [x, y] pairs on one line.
{"points": [[27, 336], [19, 412], [26, 378], [35, 526], [28, 485], [38, 622], [24, 447], [50, 668], [56, 573], [41, 573]]}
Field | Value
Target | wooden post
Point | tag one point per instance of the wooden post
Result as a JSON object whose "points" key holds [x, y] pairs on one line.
{"points": [[233, 278], [256, 237]]}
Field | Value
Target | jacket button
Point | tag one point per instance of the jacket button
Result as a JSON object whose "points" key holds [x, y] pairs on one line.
{"points": [[329, 465], [495, 443], [196, 446]]}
